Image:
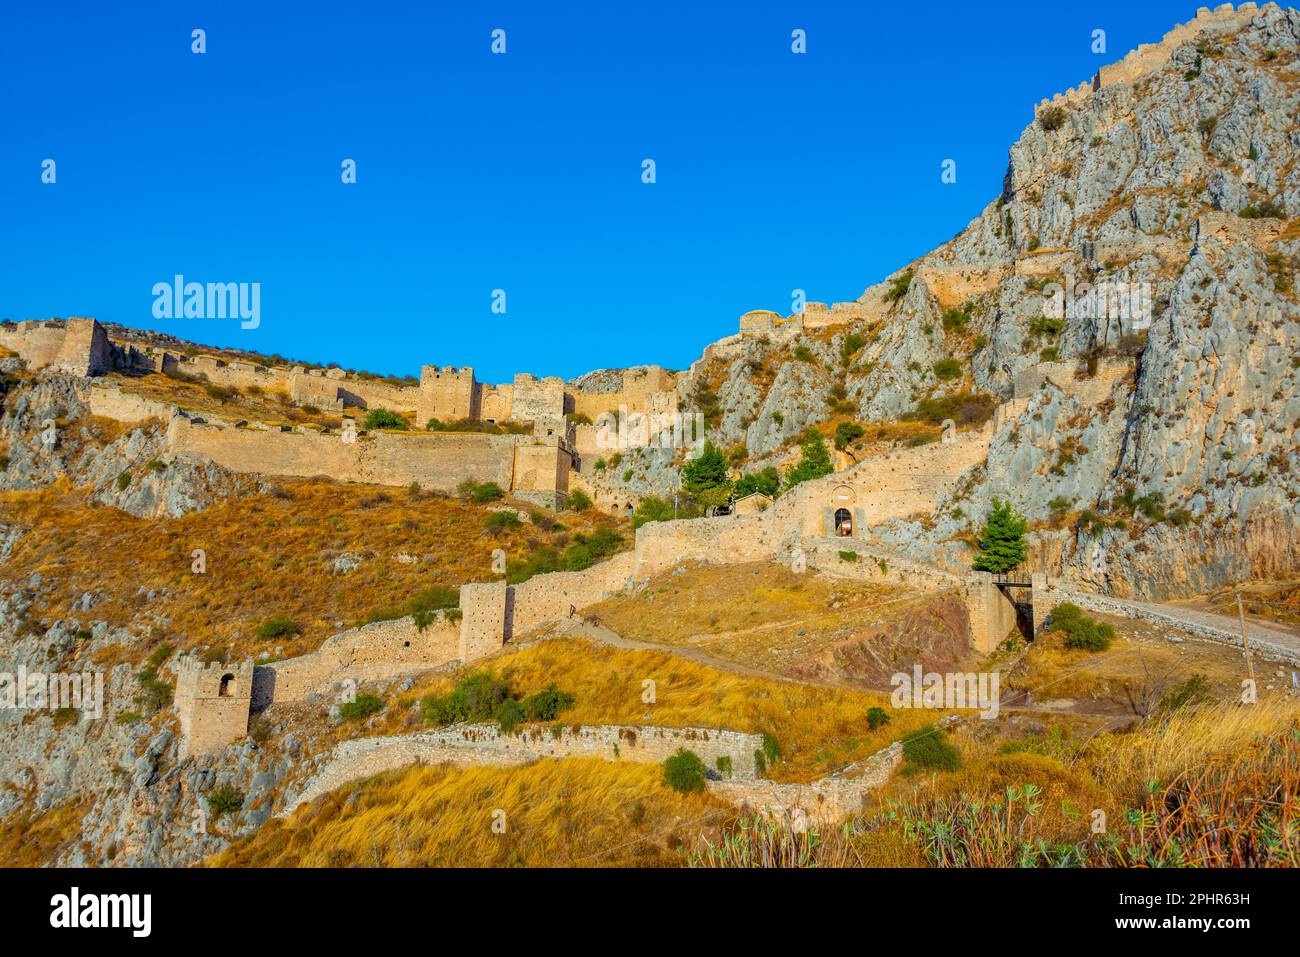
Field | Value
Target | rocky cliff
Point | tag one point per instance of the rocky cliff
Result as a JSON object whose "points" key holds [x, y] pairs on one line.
{"points": [[1131, 294]]}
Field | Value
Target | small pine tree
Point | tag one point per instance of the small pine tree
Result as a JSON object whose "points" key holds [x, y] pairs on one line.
{"points": [[1002, 542], [707, 471], [815, 462]]}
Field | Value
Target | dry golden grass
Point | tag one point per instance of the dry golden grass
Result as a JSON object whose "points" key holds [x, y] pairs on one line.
{"points": [[1129, 676], [35, 839], [761, 615], [1125, 764], [572, 813], [820, 729], [266, 555]]}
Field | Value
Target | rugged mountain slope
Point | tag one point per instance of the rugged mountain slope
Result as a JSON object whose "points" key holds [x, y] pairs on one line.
{"points": [[1173, 175]]}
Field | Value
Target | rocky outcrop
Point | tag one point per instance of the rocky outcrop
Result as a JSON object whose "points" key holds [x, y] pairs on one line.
{"points": [[47, 431]]}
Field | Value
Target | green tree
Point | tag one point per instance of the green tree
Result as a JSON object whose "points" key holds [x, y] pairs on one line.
{"points": [[383, 419], [767, 481], [814, 463], [685, 772], [845, 433], [707, 471], [1002, 542]]}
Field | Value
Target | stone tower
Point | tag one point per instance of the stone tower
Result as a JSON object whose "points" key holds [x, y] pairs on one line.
{"points": [[213, 702]]}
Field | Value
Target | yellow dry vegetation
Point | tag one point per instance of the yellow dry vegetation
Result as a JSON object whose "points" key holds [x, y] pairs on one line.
{"points": [[757, 614], [35, 839], [820, 729], [573, 813]]}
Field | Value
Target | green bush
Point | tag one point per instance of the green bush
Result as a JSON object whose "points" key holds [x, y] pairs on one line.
{"points": [[547, 704], [509, 715], [898, 286], [1052, 118], [123, 480], [362, 706], [803, 353], [955, 318], [652, 509], [277, 626], [877, 717], [1002, 541], [847, 432], [383, 419], [847, 556], [684, 772], [928, 749], [499, 521], [225, 800], [947, 369], [578, 501], [479, 491], [1081, 632], [477, 697], [1195, 690]]}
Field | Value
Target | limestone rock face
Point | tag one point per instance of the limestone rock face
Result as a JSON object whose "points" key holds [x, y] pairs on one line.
{"points": [[48, 435], [1174, 180]]}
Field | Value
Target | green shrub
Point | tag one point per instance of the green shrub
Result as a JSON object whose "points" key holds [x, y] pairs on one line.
{"points": [[1195, 690], [947, 369], [767, 481], [225, 800], [477, 697], [847, 556], [652, 509], [278, 626], [362, 706], [509, 715], [928, 749], [723, 764], [499, 521], [421, 606], [877, 717], [684, 772], [1052, 118], [123, 480], [847, 432], [814, 462], [578, 501], [955, 319], [479, 491], [803, 353], [547, 704], [383, 419]]}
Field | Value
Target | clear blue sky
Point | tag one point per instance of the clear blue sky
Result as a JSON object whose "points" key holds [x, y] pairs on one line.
{"points": [[520, 172]]}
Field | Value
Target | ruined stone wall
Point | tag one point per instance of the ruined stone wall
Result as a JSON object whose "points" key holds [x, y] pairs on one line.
{"points": [[435, 461], [107, 400], [371, 652], [550, 596], [541, 475], [76, 346], [486, 744]]}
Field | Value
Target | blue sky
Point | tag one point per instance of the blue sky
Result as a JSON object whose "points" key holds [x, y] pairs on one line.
{"points": [[519, 172]]}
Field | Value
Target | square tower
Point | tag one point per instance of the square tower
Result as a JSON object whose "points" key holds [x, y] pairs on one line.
{"points": [[485, 619], [213, 702]]}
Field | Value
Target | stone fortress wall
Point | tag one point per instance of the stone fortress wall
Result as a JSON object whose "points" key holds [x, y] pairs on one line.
{"points": [[486, 744]]}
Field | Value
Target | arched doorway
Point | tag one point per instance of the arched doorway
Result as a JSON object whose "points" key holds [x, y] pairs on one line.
{"points": [[227, 686], [843, 522]]}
